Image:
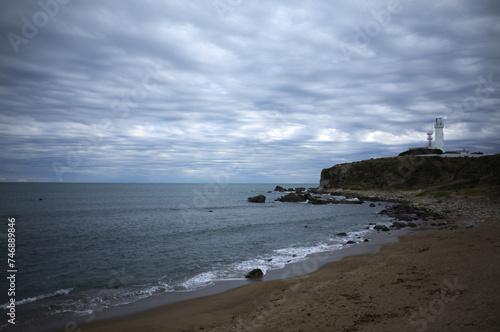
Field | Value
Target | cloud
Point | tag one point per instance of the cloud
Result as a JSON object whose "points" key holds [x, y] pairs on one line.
{"points": [[184, 91]]}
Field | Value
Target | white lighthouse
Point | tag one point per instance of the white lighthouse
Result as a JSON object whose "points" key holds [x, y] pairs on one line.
{"points": [[439, 138]]}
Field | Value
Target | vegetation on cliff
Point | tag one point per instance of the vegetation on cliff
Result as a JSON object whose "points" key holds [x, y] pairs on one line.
{"points": [[413, 173]]}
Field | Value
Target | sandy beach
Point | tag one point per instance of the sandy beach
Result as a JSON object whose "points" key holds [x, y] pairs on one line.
{"points": [[441, 279]]}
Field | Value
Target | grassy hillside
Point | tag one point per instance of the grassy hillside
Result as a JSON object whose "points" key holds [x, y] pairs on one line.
{"points": [[468, 175]]}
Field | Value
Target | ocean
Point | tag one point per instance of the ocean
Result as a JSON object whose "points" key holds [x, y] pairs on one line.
{"points": [[83, 248]]}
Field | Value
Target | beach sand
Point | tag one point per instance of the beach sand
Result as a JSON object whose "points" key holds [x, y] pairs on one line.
{"points": [[436, 280]]}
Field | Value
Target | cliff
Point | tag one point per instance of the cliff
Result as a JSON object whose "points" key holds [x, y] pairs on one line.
{"points": [[413, 173]]}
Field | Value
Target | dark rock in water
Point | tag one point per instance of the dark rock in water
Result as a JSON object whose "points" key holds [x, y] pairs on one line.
{"points": [[254, 274], [413, 225], [290, 189], [372, 205], [366, 240], [351, 242], [257, 199], [300, 190], [279, 188], [40, 199], [398, 224], [292, 197], [294, 255], [210, 211], [342, 234], [381, 228]]}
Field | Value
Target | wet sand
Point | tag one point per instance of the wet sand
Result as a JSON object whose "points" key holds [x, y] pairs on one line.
{"points": [[436, 280]]}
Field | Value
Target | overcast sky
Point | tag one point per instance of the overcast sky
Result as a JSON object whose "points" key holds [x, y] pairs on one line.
{"points": [[239, 90]]}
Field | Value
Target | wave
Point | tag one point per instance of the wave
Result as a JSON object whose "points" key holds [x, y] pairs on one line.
{"points": [[278, 259], [59, 292]]}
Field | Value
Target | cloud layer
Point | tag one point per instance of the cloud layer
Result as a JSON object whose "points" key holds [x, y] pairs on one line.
{"points": [[194, 91]]}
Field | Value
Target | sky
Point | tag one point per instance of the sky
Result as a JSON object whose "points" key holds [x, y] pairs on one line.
{"points": [[232, 91]]}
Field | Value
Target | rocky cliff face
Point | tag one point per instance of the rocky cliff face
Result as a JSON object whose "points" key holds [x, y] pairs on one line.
{"points": [[410, 172]]}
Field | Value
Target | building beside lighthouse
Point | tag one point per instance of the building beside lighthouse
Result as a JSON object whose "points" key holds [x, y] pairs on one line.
{"points": [[439, 136]]}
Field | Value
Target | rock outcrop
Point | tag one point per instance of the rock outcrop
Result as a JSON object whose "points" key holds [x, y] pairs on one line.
{"points": [[254, 274], [292, 197], [257, 199]]}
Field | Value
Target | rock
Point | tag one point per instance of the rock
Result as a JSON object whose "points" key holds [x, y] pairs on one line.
{"points": [[257, 199], [381, 228], [279, 188], [412, 225], [366, 240], [300, 190], [351, 242], [341, 234], [40, 199], [292, 197], [372, 205], [398, 224], [254, 274]]}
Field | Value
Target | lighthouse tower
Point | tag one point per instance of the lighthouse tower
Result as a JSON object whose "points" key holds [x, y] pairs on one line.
{"points": [[439, 140]]}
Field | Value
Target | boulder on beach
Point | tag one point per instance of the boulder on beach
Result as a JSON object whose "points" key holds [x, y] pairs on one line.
{"points": [[257, 199], [254, 274]]}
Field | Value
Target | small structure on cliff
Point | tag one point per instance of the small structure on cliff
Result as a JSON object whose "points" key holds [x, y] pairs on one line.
{"points": [[438, 128], [438, 149]]}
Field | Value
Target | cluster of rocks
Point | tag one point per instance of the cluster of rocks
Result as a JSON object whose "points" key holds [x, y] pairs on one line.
{"points": [[443, 207], [299, 190], [298, 195], [407, 212], [293, 197]]}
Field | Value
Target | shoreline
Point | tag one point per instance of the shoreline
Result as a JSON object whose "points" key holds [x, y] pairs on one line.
{"points": [[309, 264], [213, 310], [415, 285]]}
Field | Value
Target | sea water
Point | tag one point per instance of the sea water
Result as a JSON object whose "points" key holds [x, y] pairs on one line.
{"points": [[82, 248]]}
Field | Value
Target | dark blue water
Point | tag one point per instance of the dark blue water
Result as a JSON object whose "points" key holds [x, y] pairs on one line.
{"points": [[87, 247]]}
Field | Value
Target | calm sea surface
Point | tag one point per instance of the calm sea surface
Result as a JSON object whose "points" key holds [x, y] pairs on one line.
{"points": [[87, 247]]}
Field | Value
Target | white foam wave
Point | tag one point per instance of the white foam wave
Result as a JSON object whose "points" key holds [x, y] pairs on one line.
{"points": [[276, 260], [59, 292]]}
